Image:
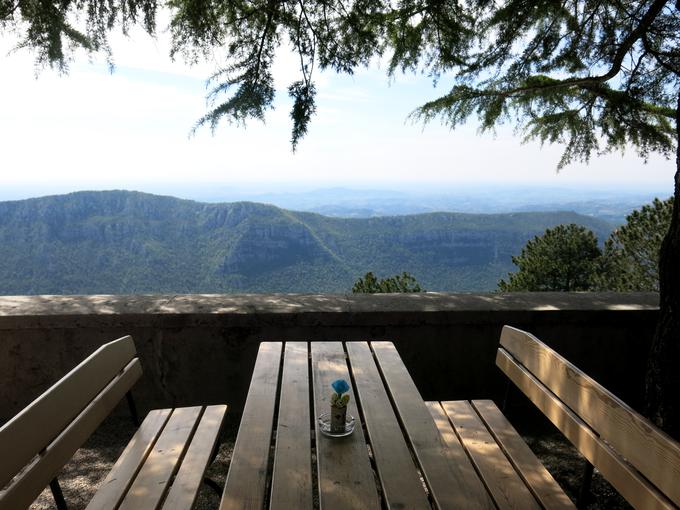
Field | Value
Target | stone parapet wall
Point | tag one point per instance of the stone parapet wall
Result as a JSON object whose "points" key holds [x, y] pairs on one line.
{"points": [[202, 348]]}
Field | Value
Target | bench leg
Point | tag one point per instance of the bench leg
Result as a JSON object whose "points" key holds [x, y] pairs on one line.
{"points": [[133, 409], [585, 485], [214, 453], [504, 405], [58, 495], [209, 481], [213, 485]]}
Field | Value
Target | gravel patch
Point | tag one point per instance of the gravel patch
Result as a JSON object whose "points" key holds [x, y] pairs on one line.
{"points": [[566, 465]]}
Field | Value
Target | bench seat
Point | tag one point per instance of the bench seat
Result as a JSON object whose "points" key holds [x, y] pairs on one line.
{"points": [[165, 461], [510, 470], [162, 466]]}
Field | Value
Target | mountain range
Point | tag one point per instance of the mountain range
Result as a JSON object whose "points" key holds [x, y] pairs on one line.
{"points": [[119, 242]]}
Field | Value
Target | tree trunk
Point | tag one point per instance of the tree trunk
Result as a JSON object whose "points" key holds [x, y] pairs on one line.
{"points": [[663, 370]]}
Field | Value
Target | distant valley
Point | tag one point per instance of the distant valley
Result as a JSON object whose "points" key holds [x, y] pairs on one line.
{"points": [[611, 203], [129, 242]]}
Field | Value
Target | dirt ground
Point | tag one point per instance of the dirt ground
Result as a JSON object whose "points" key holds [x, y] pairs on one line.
{"points": [[80, 478]]}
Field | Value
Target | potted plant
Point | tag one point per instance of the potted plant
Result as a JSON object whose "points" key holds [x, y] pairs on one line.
{"points": [[339, 401]]}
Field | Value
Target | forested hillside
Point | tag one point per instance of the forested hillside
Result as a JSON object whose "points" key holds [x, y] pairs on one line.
{"points": [[129, 242]]}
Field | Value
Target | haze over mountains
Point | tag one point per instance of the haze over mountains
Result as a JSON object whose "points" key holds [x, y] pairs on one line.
{"points": [[487, 198], [131, 242], [357, 200]]}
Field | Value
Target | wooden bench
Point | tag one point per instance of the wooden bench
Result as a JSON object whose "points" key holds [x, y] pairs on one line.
{"points": [[638, 459], [163, 466]]}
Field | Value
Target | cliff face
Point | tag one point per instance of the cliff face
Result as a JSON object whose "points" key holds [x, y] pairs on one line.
{"points": [[129, 242], [271, 247]]}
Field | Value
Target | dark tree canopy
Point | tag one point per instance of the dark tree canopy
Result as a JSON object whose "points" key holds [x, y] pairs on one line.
{"points": [[400, 283], [52, 29], [565, 258], [630, 261]]}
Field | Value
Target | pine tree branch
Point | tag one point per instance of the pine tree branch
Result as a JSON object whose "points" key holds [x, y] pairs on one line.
{"points": [[636, 34], [658, 56], [270, 18], [7, 14]]}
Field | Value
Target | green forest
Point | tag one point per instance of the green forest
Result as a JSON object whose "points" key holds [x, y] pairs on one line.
{"points": [[116, 242]]}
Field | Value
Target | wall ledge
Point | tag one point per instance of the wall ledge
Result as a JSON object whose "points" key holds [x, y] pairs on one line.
{"points": [[201, 348], [168, 304]]}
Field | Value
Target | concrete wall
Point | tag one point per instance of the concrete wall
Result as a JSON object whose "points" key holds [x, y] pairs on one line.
{"points": [[201, 349]]}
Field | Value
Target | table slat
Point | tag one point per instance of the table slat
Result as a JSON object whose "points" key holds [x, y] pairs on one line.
{"points": [[401, 484], [153, 479], [292, 474], [245, 485], [346, 480], [504, 483], [189, 478], [539, 480], [452, 479]]}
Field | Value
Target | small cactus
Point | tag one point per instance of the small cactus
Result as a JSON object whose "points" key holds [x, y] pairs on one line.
{"points": [[339, 400], [340, 397]]}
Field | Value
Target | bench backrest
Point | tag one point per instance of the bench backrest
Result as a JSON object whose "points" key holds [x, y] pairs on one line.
{"points": [[37, 442], [637, 458]]}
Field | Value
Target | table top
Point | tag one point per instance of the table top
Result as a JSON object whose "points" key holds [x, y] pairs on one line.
{"points": [[395, 454]]}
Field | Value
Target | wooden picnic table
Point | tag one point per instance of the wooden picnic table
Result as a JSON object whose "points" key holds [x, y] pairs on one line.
{"points": [[403, 453]]}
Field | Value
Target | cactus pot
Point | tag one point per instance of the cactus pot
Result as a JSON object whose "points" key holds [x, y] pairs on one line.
{"points": [[338, 419]]}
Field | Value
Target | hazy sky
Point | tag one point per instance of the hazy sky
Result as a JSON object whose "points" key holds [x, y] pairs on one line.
{"points": [[96, 129]]}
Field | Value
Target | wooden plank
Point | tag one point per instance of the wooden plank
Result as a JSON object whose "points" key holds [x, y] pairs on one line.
{"points": [[447, 434], [40, 422], [397, 472], [124, 471], [506, 486], [651, 451], [153, 480], [26, 487], [535, 475], [346, 480], [189, 478], [292, 474], [245, 485], [624, 477], [450, 476]]}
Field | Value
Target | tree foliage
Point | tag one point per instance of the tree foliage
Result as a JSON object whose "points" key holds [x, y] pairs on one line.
{"points": [[630, 261], [53, 29], [593, 75], [565, 258], [402, 283]]}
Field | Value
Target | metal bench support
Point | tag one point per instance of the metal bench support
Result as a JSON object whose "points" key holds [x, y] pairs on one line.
{"points": [[133, 409], [58, 495], [584, 495]]}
